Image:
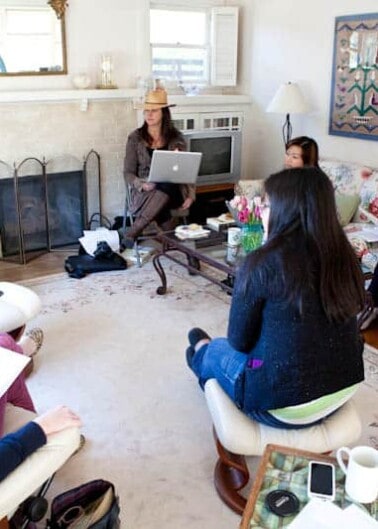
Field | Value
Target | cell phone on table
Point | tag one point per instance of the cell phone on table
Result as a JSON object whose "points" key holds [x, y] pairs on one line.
{"points": [[321, 480]]}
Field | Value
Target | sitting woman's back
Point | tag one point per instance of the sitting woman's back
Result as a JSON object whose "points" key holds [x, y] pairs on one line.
{"points": [[292, 327]]}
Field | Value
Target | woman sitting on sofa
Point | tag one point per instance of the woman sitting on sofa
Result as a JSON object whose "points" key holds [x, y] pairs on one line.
{"points": [[293, 354], [300, 152]]}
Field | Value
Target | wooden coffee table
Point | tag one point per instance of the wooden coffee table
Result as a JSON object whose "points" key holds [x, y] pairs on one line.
{"points": [[286, 468]]}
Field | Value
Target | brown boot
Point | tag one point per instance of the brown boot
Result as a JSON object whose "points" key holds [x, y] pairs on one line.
{"points": [[168, 225], [152, 206]]}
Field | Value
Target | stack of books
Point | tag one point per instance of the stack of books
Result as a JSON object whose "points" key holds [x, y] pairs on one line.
{"points": [[223, 222], [191, 231]]}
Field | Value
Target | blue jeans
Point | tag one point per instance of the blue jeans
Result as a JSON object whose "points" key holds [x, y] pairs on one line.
{"points": [[221, 361]]}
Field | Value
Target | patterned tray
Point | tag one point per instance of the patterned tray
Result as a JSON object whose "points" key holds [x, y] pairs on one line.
{"points": [[282, 468]]}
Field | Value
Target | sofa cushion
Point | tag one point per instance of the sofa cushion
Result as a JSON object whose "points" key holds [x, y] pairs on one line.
{"points": [[346, 206], [249, 188], [350, 178], [345, 176]]}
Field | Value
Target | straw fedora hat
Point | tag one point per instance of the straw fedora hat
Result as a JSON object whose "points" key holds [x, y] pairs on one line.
{"points": [[155, 99], [18, 305]]}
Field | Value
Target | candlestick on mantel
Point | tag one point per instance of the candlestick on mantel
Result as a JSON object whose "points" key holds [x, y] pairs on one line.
{"points": [[107, 68]]}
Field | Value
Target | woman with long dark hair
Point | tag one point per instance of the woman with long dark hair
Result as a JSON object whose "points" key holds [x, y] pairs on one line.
{"points": [[150, 201], [293, 354], [301, 152]]}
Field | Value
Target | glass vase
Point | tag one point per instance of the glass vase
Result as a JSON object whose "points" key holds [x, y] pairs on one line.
{"points": [[251, 237]]}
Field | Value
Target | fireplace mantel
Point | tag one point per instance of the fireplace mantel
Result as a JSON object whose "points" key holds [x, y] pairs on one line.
{"points": [[85, 96], [61, 96]]}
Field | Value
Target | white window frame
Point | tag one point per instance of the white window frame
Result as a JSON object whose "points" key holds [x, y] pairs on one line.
{"points": [[216, 47], [205, 46]]}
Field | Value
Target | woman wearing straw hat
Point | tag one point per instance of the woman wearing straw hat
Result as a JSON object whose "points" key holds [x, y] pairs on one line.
{"points": [[150, 201]]}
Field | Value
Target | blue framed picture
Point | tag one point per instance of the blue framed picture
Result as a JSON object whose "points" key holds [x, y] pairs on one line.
{"points": [[354, 88]]}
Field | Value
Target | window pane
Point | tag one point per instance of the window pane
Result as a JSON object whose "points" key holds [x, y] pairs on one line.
{"points": [[39, 54], [33, 22], [179, 63], [176, 27]]}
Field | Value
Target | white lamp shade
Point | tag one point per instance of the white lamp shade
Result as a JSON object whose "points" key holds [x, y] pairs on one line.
{"points": [[288, 100]]}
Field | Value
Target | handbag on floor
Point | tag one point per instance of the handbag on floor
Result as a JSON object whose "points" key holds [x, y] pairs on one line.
{"points": [[103, 260], [93, 505]]}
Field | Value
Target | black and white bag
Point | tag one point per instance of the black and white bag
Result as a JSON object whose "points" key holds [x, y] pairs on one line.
{"points": [[93, 505], [103, 260]]}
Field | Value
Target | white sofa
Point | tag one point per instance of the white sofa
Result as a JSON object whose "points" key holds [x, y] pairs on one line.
{"points": [[355, 180], [356, 192], [349, 179]]}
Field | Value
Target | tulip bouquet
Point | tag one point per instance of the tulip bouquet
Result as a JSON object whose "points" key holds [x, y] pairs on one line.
{"points": [[248, 215], [248, 211]]}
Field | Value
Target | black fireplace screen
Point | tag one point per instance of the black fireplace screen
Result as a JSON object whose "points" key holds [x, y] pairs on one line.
{"points": [[65, 211], [46, 211]]}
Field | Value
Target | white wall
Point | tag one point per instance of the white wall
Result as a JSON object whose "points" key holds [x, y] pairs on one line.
{"points": [[293, 41], [95, 27], [279, 41], [119, 27]]}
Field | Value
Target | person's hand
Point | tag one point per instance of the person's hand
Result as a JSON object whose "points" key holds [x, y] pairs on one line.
{"points": [[58, 419], [148, 186], [187, 203]]}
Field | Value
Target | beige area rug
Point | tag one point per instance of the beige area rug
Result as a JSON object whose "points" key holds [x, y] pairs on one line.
{"points": [[114, 351]]}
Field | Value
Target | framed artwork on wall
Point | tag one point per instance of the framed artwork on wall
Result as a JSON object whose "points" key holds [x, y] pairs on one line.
{"points": [[354, 88]]}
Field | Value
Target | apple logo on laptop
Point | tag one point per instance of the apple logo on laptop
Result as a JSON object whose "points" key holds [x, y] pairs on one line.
{"points": [[175, 167]]}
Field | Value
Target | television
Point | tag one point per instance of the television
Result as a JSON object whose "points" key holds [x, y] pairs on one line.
{"points": [[221, 155]]}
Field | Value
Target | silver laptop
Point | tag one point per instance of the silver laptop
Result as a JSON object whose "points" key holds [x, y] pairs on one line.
{"points": [[176, 167]]}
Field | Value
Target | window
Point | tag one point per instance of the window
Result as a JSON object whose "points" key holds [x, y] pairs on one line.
{"points": [[197, 46], [180, 53]]}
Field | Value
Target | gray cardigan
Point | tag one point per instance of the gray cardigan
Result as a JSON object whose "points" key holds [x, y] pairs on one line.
{"points": [[137, 167]]}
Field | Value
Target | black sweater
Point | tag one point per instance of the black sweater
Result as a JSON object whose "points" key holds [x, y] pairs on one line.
{"points": [[293, 358]]}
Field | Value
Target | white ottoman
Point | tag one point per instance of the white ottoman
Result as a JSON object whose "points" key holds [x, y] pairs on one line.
{"points": [[18, 305], [37, 469], [237, 436]]}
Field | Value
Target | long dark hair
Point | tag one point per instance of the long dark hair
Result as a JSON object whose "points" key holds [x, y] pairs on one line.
{"points": [[310, 150], [309, 246], [168, 130]]}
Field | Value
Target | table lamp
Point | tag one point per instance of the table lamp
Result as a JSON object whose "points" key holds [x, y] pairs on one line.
{"points": [[288, 100]]}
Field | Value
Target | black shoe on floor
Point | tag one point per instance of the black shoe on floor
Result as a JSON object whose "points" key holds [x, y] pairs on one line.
{"points": [[127, 244], [189, 355], [195, 335]]}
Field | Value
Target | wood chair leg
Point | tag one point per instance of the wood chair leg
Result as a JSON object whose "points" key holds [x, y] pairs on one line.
{"points": [[230, 475]]}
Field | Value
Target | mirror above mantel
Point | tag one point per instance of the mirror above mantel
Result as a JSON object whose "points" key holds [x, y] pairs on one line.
{"points": [[32, 37]]}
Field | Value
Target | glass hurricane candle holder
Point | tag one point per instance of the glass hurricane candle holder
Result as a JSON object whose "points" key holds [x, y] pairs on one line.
{"points": [[107, 68]]}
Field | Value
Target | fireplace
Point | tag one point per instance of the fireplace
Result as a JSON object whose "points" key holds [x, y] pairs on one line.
{"points": [[46, 206]]}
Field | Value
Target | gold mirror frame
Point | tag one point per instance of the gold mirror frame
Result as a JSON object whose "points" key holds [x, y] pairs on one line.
{"points": [[59, 6]]}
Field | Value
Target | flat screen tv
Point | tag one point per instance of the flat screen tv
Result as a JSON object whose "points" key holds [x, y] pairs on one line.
{"points": [[221, 155]]}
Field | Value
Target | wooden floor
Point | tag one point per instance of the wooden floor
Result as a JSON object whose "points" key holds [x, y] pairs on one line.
{"points": [[46, 264], [53, 263]]}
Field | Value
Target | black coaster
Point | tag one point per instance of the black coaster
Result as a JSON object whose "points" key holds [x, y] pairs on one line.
{"points": [[282, 502]]}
